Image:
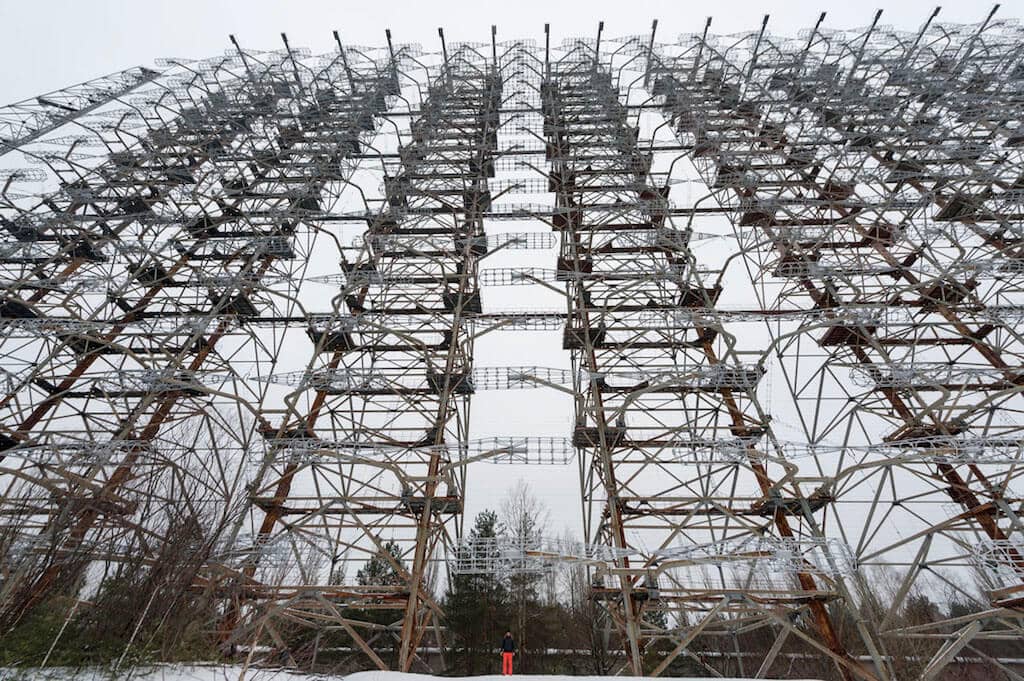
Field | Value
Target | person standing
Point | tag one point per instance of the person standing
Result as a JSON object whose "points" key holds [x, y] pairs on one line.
{"points": [[508, 651]]}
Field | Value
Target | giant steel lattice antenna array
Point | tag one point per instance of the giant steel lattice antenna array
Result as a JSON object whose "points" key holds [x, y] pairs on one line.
{"points": [[244, 291]]}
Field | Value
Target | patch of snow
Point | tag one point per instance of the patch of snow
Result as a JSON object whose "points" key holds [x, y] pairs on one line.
{"points": [[216, 672], [398, 676]]}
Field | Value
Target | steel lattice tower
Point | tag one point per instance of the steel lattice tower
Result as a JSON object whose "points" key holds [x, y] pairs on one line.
{"points": [[241, 295]]}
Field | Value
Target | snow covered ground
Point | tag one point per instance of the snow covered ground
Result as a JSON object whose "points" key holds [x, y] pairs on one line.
{"points": [[238, 673], [396, 676]]}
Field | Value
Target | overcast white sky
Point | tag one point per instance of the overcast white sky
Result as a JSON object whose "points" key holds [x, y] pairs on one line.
{"points": [[46, 44]]}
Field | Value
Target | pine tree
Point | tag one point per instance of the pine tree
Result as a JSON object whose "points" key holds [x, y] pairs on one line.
{"points": [[379, 570], [476, 605]]}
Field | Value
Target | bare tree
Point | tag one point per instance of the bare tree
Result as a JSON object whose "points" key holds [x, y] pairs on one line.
{"points": [[526, 518], [525, 515], [587, 624]]}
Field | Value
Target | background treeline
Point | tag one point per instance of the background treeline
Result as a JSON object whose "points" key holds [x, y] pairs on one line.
{"points": [[143, 612], [556, 625]]}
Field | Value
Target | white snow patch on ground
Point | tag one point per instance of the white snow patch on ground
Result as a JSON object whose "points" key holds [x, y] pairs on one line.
{"points": [[238, 673], [398, 676]]}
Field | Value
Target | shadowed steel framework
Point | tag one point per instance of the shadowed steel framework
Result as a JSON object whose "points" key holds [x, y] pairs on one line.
{"points": [[240, 297]]}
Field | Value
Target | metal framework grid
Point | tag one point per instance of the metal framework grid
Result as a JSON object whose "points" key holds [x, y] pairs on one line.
{"points": [[246, 292]]}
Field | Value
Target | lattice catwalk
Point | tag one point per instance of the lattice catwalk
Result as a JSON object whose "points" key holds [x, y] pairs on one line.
{"points": [[241, 294]]}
